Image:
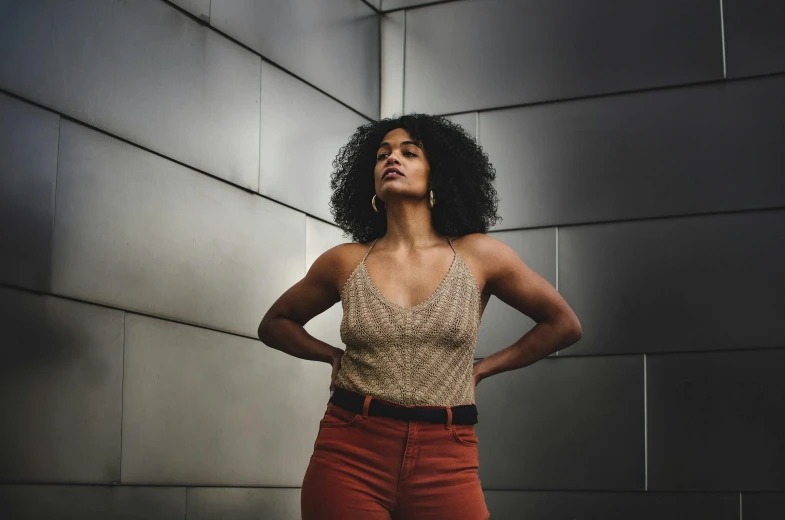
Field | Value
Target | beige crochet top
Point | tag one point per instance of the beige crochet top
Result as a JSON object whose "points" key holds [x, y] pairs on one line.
{"points": [[421, 355]]}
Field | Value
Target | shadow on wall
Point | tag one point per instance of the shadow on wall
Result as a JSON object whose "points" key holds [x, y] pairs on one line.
{"points": [[60, 389]]}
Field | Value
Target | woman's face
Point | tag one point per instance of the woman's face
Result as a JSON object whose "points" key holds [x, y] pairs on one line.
{"points": [[402, 168]]}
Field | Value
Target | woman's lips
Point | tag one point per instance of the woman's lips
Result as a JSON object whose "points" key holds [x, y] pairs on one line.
{"points": [[392, 171]]}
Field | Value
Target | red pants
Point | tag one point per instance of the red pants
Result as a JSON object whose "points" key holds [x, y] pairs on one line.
{"points": [[377, 468]]}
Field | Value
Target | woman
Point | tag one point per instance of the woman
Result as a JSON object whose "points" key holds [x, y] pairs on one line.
{"points": [[397, 439]]}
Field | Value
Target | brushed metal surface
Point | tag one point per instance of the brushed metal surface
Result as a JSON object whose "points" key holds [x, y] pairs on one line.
{"points": [[689, 150], [716, 420], [199, 8], [663, 285], [502, 325], [28, 167], [30, 502], [170, 84], [61, 369], [319, 237], [302, 131], [478, 54], [207, 408], [574, 423], [754, 37], [392, 27], [763, 506], [333, 45], [648, 505], [399, 4], [243, 503], [139, 232]]}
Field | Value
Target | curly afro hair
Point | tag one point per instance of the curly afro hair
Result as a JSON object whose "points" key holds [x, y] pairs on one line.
{"points": [[461, 178]]}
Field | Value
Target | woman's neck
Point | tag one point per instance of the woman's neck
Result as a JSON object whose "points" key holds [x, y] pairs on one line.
{"points": [[410, 228]]}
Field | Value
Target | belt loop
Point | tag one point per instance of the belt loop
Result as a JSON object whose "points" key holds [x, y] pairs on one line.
{"points": [[449, 418], [366, 404]]}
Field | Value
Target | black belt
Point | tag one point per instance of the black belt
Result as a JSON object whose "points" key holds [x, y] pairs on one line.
{"points": [[352, 401]]}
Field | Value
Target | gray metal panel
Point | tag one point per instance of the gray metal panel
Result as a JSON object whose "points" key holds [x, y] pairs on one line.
{"points": [[763, 506], [478, 54], [501, 324], [564, 505], [61, 368], [302, 131], [170, 84], [198, 8], [207, 408], [468, 121], [680, 151], [392, 41], [333, 45], [399, 4], [319, 237], [574, 423], [243, 504], [28, 166], [92, 503], [676, 284], [716, 420], [139, 232], [754, 36]]}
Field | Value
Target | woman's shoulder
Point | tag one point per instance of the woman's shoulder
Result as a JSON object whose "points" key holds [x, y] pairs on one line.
{"points": [[481, 253], [338, 261], [478, 245]]}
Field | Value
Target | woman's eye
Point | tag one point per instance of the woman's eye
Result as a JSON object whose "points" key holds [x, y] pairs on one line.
{"points": [[381, 156]]}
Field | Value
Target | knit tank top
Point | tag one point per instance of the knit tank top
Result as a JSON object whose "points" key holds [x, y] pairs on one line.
{"points": [[421, 355]]}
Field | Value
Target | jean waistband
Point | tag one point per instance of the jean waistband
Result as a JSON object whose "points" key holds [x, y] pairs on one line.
{"points": [[368, 405]]}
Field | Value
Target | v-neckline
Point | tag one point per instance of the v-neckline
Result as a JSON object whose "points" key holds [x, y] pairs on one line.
{"points": [[433, 295]]}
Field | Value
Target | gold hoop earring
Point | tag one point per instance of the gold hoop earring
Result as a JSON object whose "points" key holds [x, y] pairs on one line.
{"points": [[373, 203], [432, 202]]}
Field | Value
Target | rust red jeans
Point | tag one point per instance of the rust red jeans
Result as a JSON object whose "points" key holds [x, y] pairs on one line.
{"points": [[378, 468]]}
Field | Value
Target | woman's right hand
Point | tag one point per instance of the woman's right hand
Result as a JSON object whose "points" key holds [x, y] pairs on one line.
{"points": [[336, 363]]}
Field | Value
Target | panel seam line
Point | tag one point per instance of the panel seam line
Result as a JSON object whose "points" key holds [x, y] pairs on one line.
{"points": [[722, 32]]}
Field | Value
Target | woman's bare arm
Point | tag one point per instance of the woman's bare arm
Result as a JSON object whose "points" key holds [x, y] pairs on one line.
{"points": [[281, 327], [508, 278]]}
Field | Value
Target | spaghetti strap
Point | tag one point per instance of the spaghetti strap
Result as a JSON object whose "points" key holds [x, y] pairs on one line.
{"points": [[369, 249], [453, 247]]}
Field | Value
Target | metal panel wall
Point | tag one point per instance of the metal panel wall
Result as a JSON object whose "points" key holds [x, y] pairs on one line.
{"points": [[572, 423], [302, 132], [28, 165], [136, 231], [664, 285], [478, 54], [763, 506], [333, 45], [716, 421], [92, 502], [61, 369], [207, 408], [198, 8], [754, 37], [677, 151], [501, 324], [517, 505], [319, 237], [393, 27], [243, 504], [388, 5], [169, 84]]}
